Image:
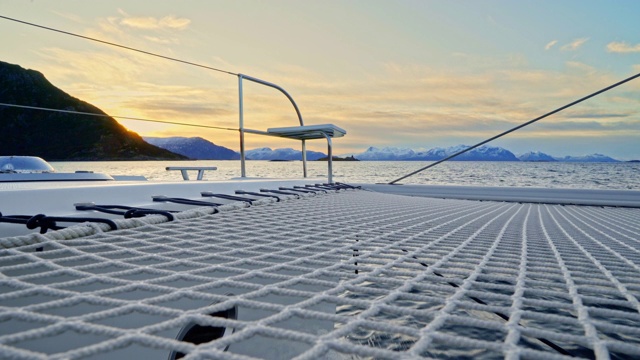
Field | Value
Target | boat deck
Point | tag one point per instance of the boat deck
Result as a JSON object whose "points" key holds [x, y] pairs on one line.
{"points": [[590, 197], [347, 274]]}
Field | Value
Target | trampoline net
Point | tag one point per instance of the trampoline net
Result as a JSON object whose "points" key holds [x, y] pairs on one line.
{"points": [[345, 275]]}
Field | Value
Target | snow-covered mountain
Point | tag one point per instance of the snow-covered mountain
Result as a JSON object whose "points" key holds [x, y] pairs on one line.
{"points": [[281, 154], [195, 148], [587, 158], [201, 149], [386, 153], [482, 153], [536, 156]]}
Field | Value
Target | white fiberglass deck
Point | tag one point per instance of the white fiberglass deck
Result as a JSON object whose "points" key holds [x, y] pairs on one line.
{"points": [[401, 277]]}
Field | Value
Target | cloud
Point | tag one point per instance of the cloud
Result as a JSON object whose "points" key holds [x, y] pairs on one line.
{"points": [[588, 128], [584, 115], [167, 107], [69, 16], [152, 23], [580, 66], [622, 47], [550, 44], [574, 45], [161, 40]]}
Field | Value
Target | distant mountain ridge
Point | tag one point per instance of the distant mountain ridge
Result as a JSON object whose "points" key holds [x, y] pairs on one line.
{"points": [[587, 158], [540, 156], [536, 156], [482, 153], [62, 136], [266, 153], [195, 148], [198, 148]]}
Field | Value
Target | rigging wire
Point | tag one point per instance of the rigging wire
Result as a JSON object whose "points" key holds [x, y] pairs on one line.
{"points": [[518, 127], [115, 116], [118, 45]]}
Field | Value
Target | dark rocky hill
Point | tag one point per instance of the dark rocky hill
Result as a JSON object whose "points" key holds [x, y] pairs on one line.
{"points": [[60, 136]]}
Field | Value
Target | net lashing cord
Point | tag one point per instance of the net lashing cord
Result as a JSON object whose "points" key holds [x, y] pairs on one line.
{"points": [[46, 223], [127, 212], [565, 274]]}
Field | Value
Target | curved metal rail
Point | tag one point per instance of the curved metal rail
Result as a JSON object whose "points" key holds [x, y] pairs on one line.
{"points": [[242, 129]]}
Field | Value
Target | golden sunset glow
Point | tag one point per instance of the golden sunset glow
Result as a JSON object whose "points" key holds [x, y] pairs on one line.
{"points": [[413, 74]]}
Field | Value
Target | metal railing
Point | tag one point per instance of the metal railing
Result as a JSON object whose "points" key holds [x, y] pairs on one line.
{"points": [[243, 130]]}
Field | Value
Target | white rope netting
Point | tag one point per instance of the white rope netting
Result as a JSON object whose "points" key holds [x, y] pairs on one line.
{"points": [[344, 275]]}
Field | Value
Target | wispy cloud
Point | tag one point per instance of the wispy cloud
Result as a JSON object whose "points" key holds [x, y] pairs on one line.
{"points": [[152, 23], [574, 45], [69, 16], [622, 47], [587, 115], [158, 40], [550, 44], [580, 66]]}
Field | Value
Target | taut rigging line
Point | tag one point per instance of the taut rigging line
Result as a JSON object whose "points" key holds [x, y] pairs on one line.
{"points": [[519, 127], [114, 116], [118, 45]]}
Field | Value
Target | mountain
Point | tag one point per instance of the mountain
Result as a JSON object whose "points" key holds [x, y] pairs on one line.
{"points": [[281, 154], [587, 158], [540, 156], [201, 149], [482, 153], [386, 153], [62, 136], [536, 156], [195, 148]]}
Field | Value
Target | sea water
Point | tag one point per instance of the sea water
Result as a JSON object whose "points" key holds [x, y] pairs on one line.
{"points": [[620, 175]]}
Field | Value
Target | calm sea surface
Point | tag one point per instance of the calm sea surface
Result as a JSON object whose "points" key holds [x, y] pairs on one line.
{"points": [[546, 175]]}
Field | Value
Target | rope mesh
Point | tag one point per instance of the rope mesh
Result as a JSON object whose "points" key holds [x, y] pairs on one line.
{"points": [[351, 274]]}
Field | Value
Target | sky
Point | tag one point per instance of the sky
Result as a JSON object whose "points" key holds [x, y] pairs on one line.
{"points": [[411, 74]]}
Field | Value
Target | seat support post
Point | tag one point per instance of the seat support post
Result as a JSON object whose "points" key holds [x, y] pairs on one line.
{"points": [[330, 158], [304, 158]]}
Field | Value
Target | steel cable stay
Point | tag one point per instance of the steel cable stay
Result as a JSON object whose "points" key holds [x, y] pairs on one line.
{"points": [[118, 45], [114, 116], [519, 127]]}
